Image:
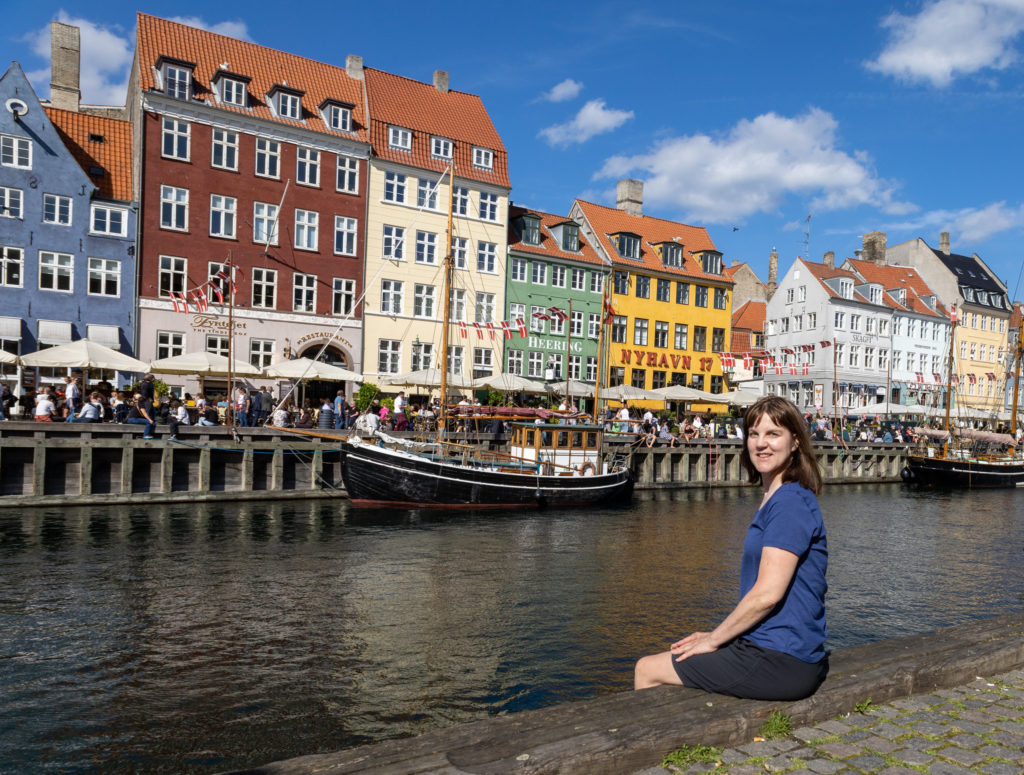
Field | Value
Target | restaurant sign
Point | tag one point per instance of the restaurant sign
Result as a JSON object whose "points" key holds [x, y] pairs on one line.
{"points": [[664, 360]]}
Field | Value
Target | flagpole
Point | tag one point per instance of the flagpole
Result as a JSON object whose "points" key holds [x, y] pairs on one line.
{"points": [[568, 350], [835, 392], [231, 337]]}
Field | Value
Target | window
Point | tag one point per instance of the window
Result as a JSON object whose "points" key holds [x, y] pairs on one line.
{"points": [[570, 238], [217, 288], [457, 305], [55, 271], [682, 293], [576, 324], [517, 268], [177, 82], [591, 369], [840, 319], [869, 357], [671, 254], [394, 187], [399, 138], [538, 273], [264, 223], [306, 222], [339, 118], [855, 322], [426, 194], [222, 216], [483, 158], [104, 277], [232, 92], [557, 326], [348, 175], [175, 139], [846, 288], [307, 167], [679, 342], [488, 206], [15, 152], [426, 247], [10, 202], [343, 300], [459, 252], [224, 149], [289, 106], [663, 290], [616, 375], [640, 332], [460, 201], [593, 325], [535, 364], [514, 363], [798, 322], [391, 297], [422, 356], [172, 275], [483, 362], [717, 340], [530, 232], [169, 344], [264, 288], [711, 263], [597, 282], [261, 352], [628, 245], [111, 221], [485, 308], [486, 256], [657, 380], [700, 338], [790, 295], [394, 243], [12, 265], [575, 363], [578, 279], [720, 298], [423, 301], [619, 329], [700, 295], [854, 355], [455, 356], [812, 320], [57, 209], [660, 333], [840, 354], [440, 148], [345, 232], [643, 287], [558, 276], [639, 378], [389, 356], [537, 317], [268, 158]]}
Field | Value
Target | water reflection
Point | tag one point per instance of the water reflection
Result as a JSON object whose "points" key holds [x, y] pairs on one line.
{"points": [[207, 637]]}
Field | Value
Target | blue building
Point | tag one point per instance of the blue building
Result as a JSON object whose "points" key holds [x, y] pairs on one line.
{"points": [[67, 227]]}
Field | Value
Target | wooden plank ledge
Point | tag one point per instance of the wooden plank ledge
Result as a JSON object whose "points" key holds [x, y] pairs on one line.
{"points": [[629, 731]]}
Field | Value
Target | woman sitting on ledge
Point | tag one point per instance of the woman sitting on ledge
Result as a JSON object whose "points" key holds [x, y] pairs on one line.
{"points": [[772, 645]]}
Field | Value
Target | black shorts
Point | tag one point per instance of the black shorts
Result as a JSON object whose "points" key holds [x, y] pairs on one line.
{"points": [[744, 669]]}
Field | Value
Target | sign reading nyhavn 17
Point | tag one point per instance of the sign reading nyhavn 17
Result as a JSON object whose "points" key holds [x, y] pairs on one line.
{"points": [[664, 360]]}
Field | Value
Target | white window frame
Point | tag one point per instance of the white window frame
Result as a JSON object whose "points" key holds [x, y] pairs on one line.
{"points": [[535, 364], [224, 142], [558, 276], [347, 175], [106, 215], [12, 264], [483, 362], [233, 92], [176, 86], [307, 167], [517, 269], [593, 325], [339, 118], [457, 301], [441, 147], [460, 248], [264, 220], [486, 257], [174, 202], [391, 297], [303, 292], [223, 216], [169, 344], [268, 155], [343, 296], [261, 352], [399, 138], [426, 247], [393, 244], [483, 158], [15, 152], [346, 234], [172, 275], [289, 106], [485, 307], [426, 193], [307, 226], [538, 273], [395, 187], [514, 362], [424, 301], [389, 356], [488, 206], [176, 132], [265, 282], [12, 203], [105, 271], [62, 207], [577, 279], [460, 201]]}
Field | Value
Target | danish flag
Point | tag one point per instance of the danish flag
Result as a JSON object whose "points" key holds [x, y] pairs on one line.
{"points": [[479, 331], [506, 329], [728, 361], [824, 344], [462, 329], [521, 325], [179, 301], [747, 361], [199, 299], [541, 315], [609, 311], [792, 369], [557, 313], [490, 329], [779, 368], [805, 369], [919, 375], [937, 377], [217, 292], [973, 379]]}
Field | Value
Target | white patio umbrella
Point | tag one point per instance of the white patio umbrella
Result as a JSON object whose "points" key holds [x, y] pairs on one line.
{"points": [[307, 368], [203, 364], [626, 392], [684, 393], [426, 378], [6, 357], [84, 354], [508, 383], [576, 388], [740, 397]]}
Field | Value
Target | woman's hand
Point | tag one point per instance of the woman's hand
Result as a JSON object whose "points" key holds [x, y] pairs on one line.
{"points": [[697, 643]]}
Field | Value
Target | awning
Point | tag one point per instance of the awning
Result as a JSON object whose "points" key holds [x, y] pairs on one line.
{"points": [[856, 387], [108, 336], [54, 332], [10, 328], [843, 385], [807, 382], [794, 383], [899, 385]]}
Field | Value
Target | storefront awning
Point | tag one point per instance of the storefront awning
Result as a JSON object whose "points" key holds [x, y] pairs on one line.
{"points": [[54, 332], [10, 328], [108, 336]]}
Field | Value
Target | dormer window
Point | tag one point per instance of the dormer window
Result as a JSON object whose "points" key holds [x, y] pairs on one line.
{"points": [[177, 77], [901, 296], [846, 288], [671, 254], [337, 115], [286, 102], [231, 88], [483, 158], [875, 294], [399, 138], [711, 262], [627, 244], [531, 230], [440, 147]]}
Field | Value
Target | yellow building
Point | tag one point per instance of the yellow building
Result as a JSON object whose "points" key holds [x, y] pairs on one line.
{"points": [[671, 298], [417, 131]]}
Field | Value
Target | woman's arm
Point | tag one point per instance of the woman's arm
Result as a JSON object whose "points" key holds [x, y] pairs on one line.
{"points": [[773, 577]]}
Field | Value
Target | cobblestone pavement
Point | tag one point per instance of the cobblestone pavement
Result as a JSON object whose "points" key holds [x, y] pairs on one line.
{"points": [[977, 728]]}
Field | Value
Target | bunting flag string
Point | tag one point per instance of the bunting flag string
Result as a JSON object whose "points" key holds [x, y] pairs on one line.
{"points": [[561, 315], [462, 329], [490, 330]]}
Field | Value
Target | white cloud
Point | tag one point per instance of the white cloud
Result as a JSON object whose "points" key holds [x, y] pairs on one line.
{"points": [[949, 38], [232, 29], [593, 119], [754, 167], [561, 92], [971, 224]]}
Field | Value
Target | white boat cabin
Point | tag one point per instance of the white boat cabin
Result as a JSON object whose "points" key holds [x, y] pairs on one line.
{"points": [[571, 450]]}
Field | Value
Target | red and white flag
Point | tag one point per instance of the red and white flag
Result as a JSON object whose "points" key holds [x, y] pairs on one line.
{"points": [[609, 311], [521, 325], [919, 375], [215, 287], [179, 301], [937, 377], [805, 369], [824, 344], [479, 331], [779, 368], [747, 361], [792, 369], [506, 329], [199, 299], [541, 315], [557, 313], [462, 329]]}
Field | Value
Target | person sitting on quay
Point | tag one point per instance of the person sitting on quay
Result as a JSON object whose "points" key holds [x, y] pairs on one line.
{"points": [[45, 408], [178, 416], [141, 413], [689, 431], [280, 418], [91, 411], [665, 434], [305, 418]]}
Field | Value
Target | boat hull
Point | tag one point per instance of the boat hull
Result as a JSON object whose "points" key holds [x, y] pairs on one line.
{"points": [[376, 475], [964, 473]]}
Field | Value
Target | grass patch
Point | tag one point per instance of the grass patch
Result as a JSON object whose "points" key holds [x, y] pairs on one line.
{"points": [[777, 725], [692, 754], [864, 707], [893, 761]]}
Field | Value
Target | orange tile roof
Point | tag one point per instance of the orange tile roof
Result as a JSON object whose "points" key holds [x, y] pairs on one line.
{"points": [[265, 66], [113, 154], [823, 273], [750, 316], [895, 277], [420, 107], [610, 220], [548, 246]]}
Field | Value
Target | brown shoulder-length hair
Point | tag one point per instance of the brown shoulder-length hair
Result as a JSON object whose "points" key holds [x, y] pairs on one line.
{"points": [[803, 467]]}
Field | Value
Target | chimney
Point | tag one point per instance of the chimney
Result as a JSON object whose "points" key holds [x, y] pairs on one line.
{"points": [[944, 242], [874, 248], [773, 273], [441, 81], [65, 64], [354, 67], [629, 196], [830, 259]]}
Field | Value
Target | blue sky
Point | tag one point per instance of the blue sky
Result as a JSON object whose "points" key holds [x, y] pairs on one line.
{"points": [[794, 124]]}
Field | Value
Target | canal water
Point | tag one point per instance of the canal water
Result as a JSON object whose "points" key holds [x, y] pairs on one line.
{"points": [[200, 638]]}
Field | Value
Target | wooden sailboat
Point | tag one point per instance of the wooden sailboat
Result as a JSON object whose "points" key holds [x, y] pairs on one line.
{"points": [[547, 465], [958, 462]]}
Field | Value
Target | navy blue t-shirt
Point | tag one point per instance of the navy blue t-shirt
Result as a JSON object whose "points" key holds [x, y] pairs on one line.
{"points": [[791, 520]]}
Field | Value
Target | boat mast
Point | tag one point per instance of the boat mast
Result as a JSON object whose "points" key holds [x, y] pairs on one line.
{"points": [[449, 261], [600, 345], [231, 338], [568, 351], [1016, 388], [949, 374]]}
